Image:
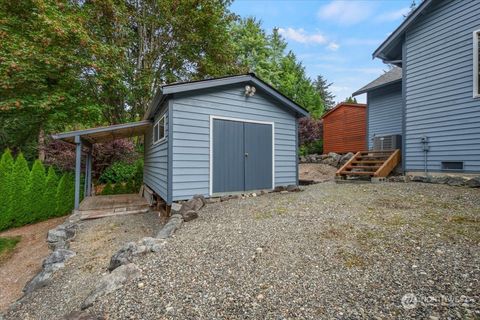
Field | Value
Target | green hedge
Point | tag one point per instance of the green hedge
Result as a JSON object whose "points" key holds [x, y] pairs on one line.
{"points": [[28, 196]]}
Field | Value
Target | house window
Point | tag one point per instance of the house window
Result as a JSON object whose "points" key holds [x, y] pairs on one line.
{"points": [[159, 130], [452, 165], [476, 64]]}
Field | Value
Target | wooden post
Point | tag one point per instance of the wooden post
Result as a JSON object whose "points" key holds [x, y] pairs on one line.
{"points": [[78, 169], [85, 178]]}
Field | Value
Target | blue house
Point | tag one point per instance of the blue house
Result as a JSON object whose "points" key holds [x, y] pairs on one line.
{"points": [[211, 137], [430, 100]]}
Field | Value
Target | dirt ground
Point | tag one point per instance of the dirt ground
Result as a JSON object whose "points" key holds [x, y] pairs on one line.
{"points": [[317, 172], [26, 260]]}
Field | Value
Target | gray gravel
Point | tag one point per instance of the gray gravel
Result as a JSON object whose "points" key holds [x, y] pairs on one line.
{"points": [[332, 251], [95, 242]]}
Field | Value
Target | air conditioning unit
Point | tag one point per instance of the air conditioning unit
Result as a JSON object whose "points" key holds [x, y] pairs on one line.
{"points": [[389, 142]]}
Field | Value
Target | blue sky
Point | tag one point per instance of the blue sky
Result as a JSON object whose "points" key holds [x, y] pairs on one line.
{"points": [[334, 38]]}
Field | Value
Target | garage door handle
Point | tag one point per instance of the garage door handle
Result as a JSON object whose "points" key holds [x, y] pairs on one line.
{"points": [[246, 154]]}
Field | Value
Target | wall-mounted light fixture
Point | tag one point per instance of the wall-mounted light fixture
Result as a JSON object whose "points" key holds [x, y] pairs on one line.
{"points": [[250, 90]]}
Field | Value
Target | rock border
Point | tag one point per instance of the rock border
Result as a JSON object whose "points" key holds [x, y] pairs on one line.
{"points": [[331, 158], [455, 181]]}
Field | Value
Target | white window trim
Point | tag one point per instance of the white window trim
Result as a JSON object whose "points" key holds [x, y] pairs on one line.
{"points": [[164, 131], [212, 117], [476, 34]]}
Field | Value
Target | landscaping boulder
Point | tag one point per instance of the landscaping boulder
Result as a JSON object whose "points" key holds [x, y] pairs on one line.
{"points": [[195, 204], [345, 158], [123, 256], [189, 215], [418, 179], [173, 224], [112, 281], [152, 244], [279, 189], [456, 181], [473, 182], [52, 263], [59, 237], [293, 188], [175, 208]]}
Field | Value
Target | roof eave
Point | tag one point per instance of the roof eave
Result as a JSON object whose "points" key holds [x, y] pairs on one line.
{"points": [[359, 92], [379, 52]]}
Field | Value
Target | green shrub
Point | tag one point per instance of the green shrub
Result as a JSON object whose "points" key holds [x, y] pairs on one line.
{"points": [[311, 148], [118, 172], [21, 203], [118, 188], [36, 193], [138, 174], [49, 197], [131, 187], [65, 195], [6, 188], [107, 190]]}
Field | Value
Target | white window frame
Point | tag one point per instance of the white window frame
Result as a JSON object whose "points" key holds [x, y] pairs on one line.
{"points": [[476, 68], [157, 127]]}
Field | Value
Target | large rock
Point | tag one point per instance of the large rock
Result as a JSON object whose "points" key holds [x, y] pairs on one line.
{"points": [[173, 224], [473, 182], [112, 282], [418, 179], [293, 188], [456, 181], [152, 244], [56, 260], [59, 237], [189, 215], [345, 158], [123, 256], [195, 204]]}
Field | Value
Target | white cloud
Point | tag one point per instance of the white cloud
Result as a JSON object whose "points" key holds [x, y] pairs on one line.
{"points": [[333, 46], [299, 35], [392, 15], [346, 12]]}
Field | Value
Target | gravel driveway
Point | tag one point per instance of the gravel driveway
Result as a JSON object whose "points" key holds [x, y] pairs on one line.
{"points": [[344, 251]]}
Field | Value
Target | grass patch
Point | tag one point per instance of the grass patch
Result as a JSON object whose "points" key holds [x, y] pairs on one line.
{"points": [[7, 245]]}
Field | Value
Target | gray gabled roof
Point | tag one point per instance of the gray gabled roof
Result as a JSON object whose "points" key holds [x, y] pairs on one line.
{"points": [[392, 76], [167, 90], [393, 42]]}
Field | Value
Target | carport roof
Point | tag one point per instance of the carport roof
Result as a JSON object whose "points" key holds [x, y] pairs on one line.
{"points": [[102, 134]]}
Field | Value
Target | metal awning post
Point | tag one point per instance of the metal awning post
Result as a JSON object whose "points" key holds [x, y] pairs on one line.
{"points": [[89, 173], [78, 169]]}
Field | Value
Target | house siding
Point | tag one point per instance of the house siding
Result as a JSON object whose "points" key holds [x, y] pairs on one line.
{"points": [[385, 112], [191, 135], [156, 158], [439, 87]]}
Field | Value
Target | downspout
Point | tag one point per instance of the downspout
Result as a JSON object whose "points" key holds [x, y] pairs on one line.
{"points": [[425, 148]]}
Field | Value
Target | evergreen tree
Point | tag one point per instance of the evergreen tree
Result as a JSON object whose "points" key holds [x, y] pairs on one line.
{"points": [[20, 201], [351, 100], [49, 197], [6, 188], [62, 196], [322, 87], [36, 192]]}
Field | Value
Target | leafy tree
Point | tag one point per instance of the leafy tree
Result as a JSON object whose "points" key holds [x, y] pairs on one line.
{"points": [[49, 197], [322, 87], [131, 187], [36, 192], [20, 200], [45, 48], [6, 188]]}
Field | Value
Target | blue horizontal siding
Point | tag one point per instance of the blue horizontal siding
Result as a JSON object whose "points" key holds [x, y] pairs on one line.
{"points": [[439, 87], [384, 112], [156, 159], [191, 135]]}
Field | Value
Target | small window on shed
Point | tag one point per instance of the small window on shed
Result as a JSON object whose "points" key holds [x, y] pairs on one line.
{"points": [[159, 130], [452, 165], [476, 63]]}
